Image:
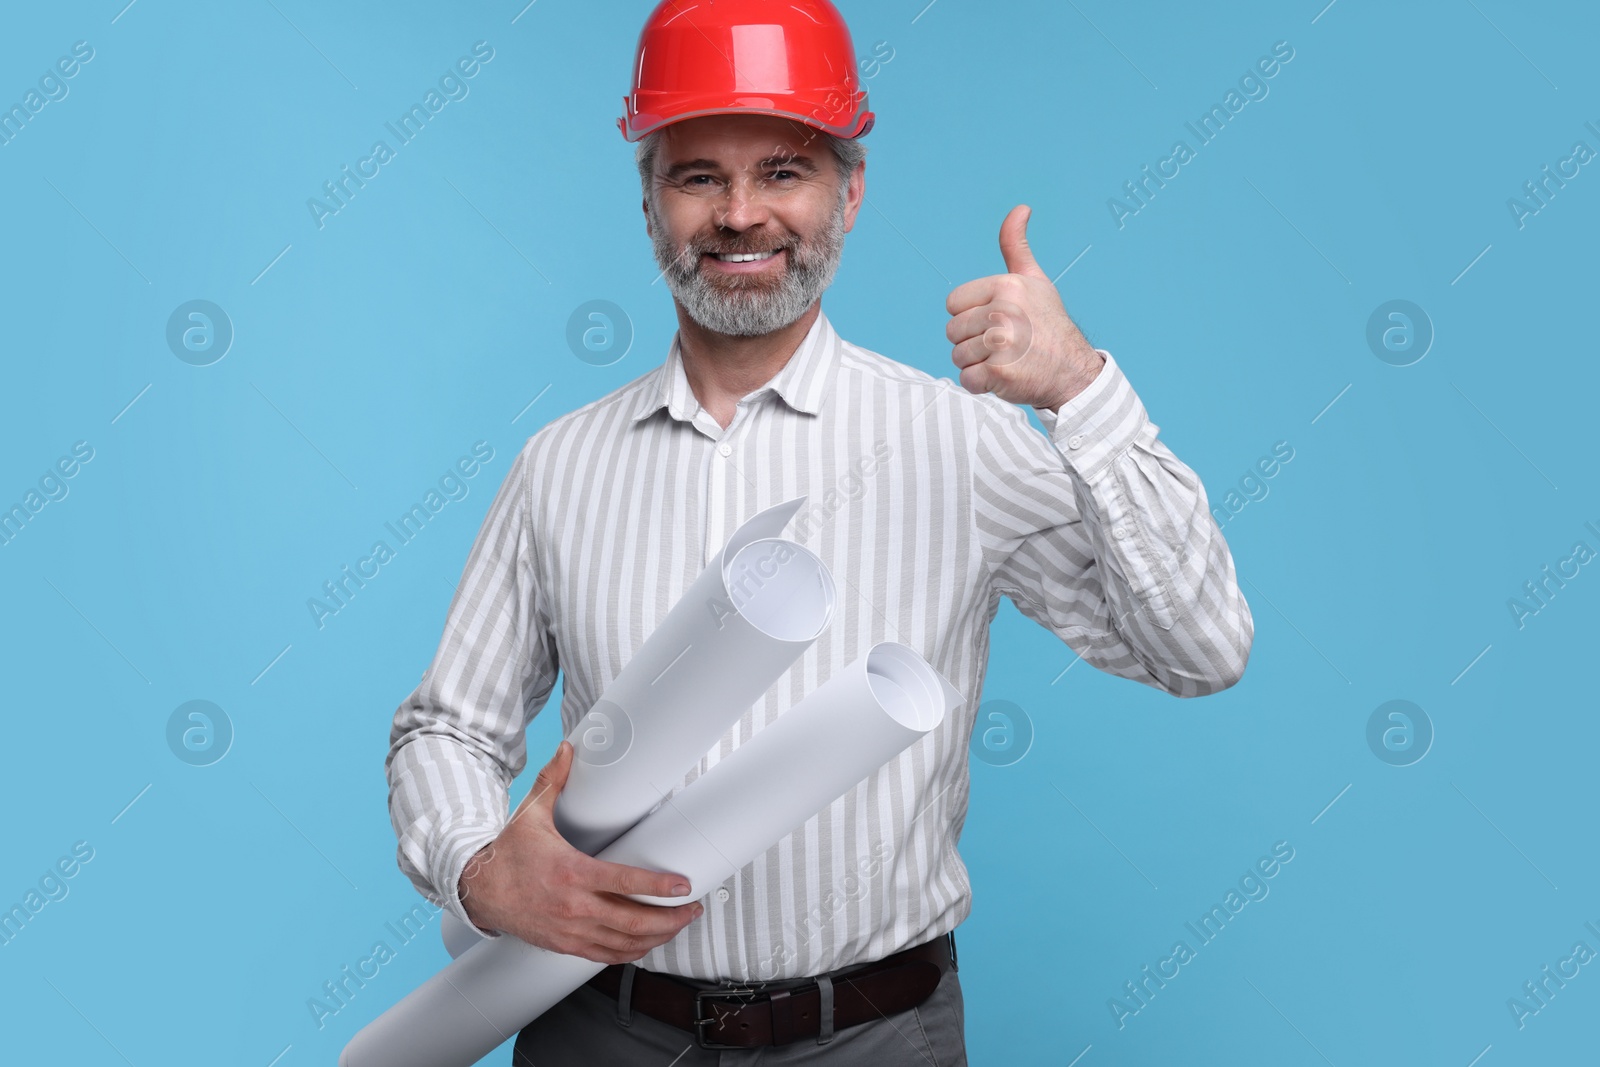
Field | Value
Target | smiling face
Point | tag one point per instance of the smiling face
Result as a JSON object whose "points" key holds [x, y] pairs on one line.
{"points": [[748, 219]]}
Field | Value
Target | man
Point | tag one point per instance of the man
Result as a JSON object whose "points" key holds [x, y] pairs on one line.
{"points": [[926, 502]]}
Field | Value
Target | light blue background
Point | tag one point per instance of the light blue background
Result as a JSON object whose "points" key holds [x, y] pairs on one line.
{"points": [[429, 312]]}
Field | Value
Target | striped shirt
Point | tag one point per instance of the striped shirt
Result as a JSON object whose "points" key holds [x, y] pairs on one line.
{"points": [[927, 503]]}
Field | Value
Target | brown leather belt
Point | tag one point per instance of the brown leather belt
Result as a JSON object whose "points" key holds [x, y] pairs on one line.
{"points": [[776, 1013]]}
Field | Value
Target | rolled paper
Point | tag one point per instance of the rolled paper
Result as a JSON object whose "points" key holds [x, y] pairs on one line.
{"points": [[812, 754], [754, 610]]}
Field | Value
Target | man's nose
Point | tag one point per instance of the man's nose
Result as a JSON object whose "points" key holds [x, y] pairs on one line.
{"points": [[745, 204]]}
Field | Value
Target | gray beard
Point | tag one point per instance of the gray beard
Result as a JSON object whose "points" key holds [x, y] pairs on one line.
{"points": [[745, 307]]}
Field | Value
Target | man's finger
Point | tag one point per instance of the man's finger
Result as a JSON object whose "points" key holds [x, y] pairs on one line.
{"points": [[978, 321], [974, 294], [624, 918], [1014, 244], [970, 353], [625, 880], [978, 378], [595, 952], [969, 323]]}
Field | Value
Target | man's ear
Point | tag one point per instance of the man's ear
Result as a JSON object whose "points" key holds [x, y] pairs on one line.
{"points": [[857, 192], [644, 206]]}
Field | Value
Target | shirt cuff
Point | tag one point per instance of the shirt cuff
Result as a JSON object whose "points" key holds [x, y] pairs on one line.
{"points": [[1098, 424], [455, 852]]}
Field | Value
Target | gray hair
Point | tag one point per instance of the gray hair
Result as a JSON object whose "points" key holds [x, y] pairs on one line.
{"points": [[848, 153]]}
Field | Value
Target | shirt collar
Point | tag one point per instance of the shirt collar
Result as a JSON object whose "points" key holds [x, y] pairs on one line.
{"points": [[803, 382]]}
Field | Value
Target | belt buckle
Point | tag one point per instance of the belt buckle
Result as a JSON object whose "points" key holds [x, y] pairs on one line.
{"points": [[701, 1020]]}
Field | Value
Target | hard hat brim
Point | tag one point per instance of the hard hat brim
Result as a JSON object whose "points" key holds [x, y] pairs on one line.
{"points": [[636, 127]]}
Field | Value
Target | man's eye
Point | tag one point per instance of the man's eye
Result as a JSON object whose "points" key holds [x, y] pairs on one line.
{"points": [[782, 174]]}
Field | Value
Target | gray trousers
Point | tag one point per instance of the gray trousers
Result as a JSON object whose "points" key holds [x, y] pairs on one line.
{"points": [[590, 1029]]}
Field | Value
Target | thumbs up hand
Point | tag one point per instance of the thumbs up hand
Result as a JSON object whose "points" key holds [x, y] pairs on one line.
{"points": [[1012, 334]]}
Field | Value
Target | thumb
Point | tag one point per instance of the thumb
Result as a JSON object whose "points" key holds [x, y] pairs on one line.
{"points": [[552, 778], [1014, 244]]}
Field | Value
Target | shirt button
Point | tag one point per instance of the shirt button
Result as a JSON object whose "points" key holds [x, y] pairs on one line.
{"points": [[722, 892], [1075, 440], [1118, 532], [725, 448]]}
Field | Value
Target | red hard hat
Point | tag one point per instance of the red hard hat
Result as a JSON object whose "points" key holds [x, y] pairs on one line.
{"points": [[791, 58]]}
